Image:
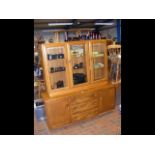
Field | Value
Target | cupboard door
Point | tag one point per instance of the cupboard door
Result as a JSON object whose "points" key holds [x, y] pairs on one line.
{"points": [[79, 63], [57, 67], [106, 99], [58, 112], [98, 61]]}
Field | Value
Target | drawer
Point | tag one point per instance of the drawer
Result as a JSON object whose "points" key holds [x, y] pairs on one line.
{"points": [[78, 111], [83, 102], [84, 106], [85, 114], [83, 97], [86, 111]]}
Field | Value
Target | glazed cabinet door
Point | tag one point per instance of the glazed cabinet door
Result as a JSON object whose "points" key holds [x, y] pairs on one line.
{"points": [[58, 112], [98, 60], [55, 66], [78, 60], [106, 99]]}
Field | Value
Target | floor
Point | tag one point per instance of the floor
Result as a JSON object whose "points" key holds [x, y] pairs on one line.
{"points": [[108, 123]]}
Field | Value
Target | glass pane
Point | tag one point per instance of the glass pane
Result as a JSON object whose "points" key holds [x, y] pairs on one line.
{"points": [[115, 65], [57, 67], [71, 36], [98, 61], [49, 37], [61, 36], [78, 56]]}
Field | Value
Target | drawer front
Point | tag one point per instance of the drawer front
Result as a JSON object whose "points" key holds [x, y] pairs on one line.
{"points": [[84, 101], [84, 105], [83, 97], [85, 114]]}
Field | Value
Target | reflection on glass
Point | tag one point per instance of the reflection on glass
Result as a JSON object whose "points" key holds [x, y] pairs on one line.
{"points": [[98, 61], [78, 64], [57, 68], [61, 36]]}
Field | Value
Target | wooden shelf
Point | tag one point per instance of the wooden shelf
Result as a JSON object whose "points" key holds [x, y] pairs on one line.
{"points": [[57, 72], [55, 59], [76, 57], [98, 68], [78, 68], [98, 56]]}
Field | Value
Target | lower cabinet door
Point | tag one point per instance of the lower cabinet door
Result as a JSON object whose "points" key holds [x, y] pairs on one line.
{"points": [[106, 99], [58, 112]]}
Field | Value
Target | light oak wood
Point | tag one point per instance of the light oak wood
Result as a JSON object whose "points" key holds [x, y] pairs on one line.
{"points": [[77, 102], [85, 44], [103, 43], [58, 112], [106, 99], [114, 46], [78, 106]]}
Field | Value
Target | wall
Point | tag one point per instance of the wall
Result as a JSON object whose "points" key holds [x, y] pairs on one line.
{"points": [[112, 32], [109, 33]]}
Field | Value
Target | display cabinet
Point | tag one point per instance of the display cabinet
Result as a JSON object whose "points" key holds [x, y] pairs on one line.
{"points": [[55, 67], [98, 60], [79, 63], [76, 77]]}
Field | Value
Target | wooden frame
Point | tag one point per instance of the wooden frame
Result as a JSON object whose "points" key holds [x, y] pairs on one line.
{"points": [[89, 63], [46, 67], [82, 101], [85, 44], [105, 60]]}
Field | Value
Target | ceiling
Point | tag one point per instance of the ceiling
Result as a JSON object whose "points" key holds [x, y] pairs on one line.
{"points": [[40, 24]]}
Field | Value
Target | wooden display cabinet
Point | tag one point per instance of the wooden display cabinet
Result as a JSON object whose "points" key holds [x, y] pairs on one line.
{"points": [[76, 77], [56, 67], [78, 63], [98, 60], [58, 112]]}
